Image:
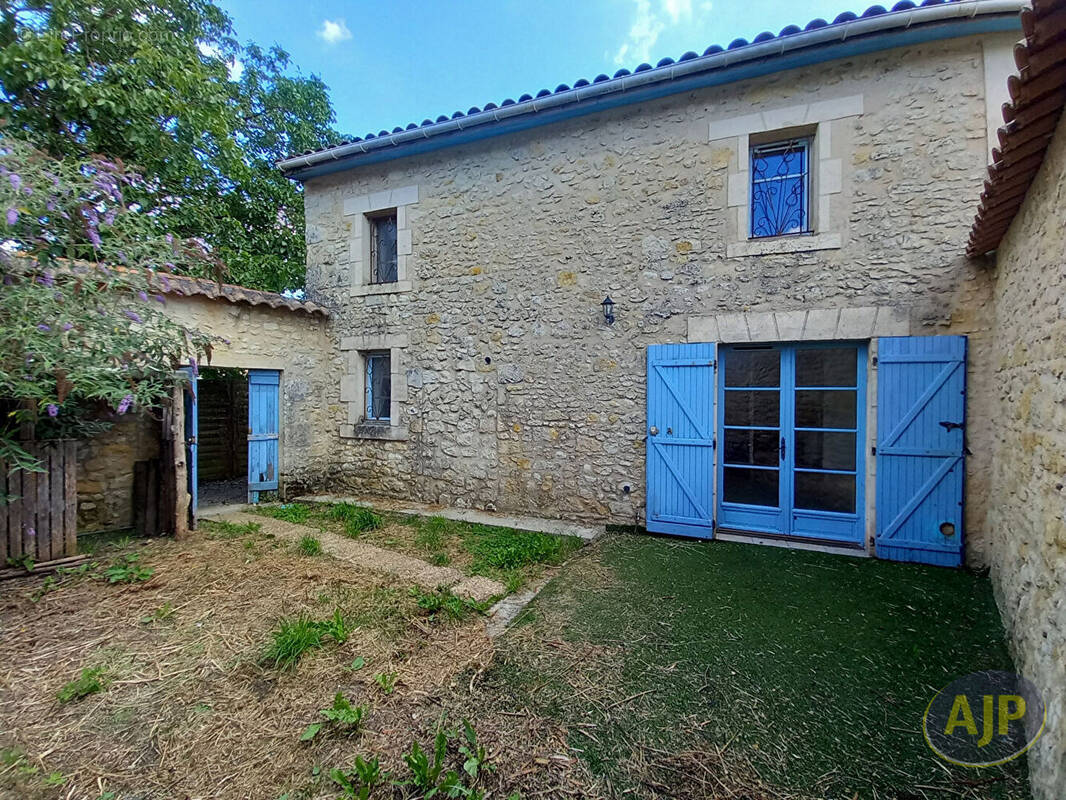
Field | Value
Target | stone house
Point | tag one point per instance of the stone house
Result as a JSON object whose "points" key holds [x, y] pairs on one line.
{"points": [[772, 211]]}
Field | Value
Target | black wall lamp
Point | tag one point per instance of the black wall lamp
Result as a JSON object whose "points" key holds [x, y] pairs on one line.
{"points": [[608, 310]]}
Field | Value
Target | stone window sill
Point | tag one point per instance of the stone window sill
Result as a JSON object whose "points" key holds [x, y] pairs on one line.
{"points": [[784, 244], [380, 288], [380, 431]]}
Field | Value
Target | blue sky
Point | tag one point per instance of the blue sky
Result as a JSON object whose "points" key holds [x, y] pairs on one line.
{"points": [[392, 62]]}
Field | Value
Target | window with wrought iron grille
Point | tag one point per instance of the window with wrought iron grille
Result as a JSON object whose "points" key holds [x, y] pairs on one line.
{"points": [[383, 248], [780, 188], [378, 386]]}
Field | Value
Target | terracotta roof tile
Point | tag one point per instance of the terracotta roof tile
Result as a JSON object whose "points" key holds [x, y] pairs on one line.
{"points": [[1038, 94]]}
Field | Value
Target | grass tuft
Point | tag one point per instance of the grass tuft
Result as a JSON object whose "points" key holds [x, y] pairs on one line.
{"points": [[297, 513], [356, 519], [507, 549], [295, 636], [220, 529], [309, 545]]}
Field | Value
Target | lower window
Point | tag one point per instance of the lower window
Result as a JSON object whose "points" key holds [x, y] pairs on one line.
{"points": [[378, 386]]}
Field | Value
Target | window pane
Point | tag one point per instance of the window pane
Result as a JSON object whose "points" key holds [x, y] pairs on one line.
{"points": [[755, 408], [826, 366], [753, 487], [820, 491], [751, 447], [753, 368], [779, 180], [825, 409], [379, 386], [818, 450], [384, 233]]}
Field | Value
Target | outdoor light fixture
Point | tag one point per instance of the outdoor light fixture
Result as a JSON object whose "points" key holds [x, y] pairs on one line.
{"points": [[608, 310]]}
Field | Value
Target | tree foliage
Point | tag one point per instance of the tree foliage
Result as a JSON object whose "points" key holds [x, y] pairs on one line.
{"points": [[157, 85], [85, 334]]}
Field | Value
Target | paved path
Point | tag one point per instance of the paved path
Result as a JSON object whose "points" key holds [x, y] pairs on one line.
{"points": [[555, 526], [377, 559]]}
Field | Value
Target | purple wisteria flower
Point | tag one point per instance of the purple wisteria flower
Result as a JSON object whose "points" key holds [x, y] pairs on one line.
{"points": [[46, 279], [142, 295], [124, 404], [67, 326], [195, 367], [16, 181], [12, 216], [160, 299], [94, 237], [133, 315], [44, 327], [53, 410]]}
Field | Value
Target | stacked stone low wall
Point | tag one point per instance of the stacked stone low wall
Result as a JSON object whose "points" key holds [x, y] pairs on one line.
{"points": [[1028, 510]]}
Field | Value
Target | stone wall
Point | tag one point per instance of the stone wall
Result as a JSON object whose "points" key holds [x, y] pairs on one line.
{"points": [[519, 397], [257, 337], [105, 471], [1028, 518]]}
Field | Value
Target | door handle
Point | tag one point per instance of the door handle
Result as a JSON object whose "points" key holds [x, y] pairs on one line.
{"points": [[654, 431], [950, 426], [782, 448]]}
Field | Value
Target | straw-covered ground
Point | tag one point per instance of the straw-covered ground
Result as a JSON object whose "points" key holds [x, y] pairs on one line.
{"points": [[647, 668]]}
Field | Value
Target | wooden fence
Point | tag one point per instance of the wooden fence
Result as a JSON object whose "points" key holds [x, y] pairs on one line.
{"points": [[40, 524]]}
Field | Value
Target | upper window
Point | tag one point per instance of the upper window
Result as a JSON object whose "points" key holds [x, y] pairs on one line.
{"points": [[378, 386], [780, 188], [383, 248]]}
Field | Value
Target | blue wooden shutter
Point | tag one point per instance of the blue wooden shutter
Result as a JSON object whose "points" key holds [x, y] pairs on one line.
{"points": [[921, 405], [680, 451], [263, 387]]}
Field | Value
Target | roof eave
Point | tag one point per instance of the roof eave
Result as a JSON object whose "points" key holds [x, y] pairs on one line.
{"points": [[857, 37]]}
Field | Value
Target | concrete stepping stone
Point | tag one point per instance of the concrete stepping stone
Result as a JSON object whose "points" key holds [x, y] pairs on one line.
{"points": [[377, 559]]}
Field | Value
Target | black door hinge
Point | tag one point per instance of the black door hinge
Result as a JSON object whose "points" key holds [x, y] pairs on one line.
{"points": [[875, 361], [873, 451]]}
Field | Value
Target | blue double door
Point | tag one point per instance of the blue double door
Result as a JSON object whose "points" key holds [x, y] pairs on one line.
{"points": [[791, 426]]}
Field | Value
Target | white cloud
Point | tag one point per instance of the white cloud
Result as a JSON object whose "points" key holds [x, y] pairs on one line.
{"points": [[333, 31], [649, 22], [235, 67]]}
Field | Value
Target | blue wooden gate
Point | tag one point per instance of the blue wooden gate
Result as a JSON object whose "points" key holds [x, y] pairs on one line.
{"points": [[192, 425], [680, 451], [263, 405], [921, 404]]}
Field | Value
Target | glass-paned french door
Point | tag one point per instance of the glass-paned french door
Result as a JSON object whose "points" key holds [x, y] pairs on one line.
{"points": [[791, 425]]}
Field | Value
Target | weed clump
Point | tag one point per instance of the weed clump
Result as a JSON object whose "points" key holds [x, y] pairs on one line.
{"points": [[295, 636], [220, 529], [89, 682], [503, 548], [127, 570]]}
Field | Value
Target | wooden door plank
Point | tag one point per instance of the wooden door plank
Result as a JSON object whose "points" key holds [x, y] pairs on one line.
{"points": [[70, 498]]}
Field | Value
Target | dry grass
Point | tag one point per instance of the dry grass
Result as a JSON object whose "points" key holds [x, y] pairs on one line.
{"points": [[188, 710]]}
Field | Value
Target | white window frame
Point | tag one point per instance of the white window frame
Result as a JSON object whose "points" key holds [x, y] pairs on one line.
{"points": [[821, 120], [370, 358], [356, 351], [363, 209]]}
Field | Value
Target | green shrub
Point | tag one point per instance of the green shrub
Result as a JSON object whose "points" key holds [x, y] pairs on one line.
{"points": [[89, 682]]}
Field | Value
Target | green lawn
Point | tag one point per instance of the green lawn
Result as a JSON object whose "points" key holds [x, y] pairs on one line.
{"points": [[804, 673]]}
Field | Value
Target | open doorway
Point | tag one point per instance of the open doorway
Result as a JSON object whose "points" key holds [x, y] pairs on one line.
{"points": [[222, 437]]}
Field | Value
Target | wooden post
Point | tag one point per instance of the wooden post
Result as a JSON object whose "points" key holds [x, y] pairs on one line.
{"points": [[176, 472]]}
